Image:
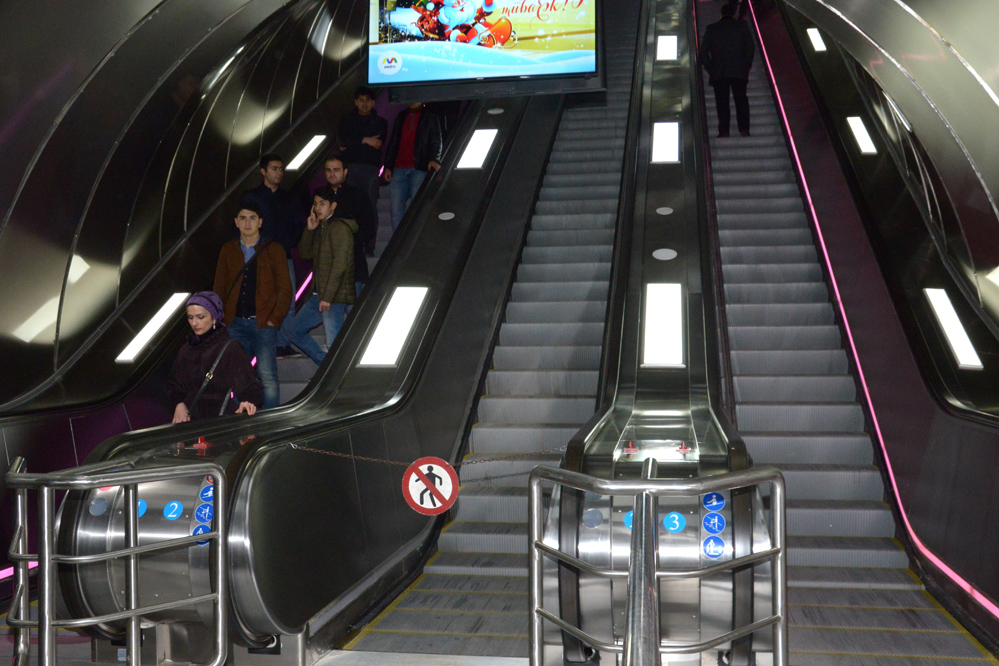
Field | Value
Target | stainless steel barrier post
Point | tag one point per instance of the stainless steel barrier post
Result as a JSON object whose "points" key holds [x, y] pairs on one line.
{"points": [[46, 578], [779, 579], [21, 580], [133, 632], [536, 523], [641, 642]]}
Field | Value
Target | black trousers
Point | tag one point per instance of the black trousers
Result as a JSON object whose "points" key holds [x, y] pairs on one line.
{"points": [[738, 88]]}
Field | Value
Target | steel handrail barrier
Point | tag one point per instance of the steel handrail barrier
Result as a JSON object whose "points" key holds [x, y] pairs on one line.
{"points": [[644, 491], [87, 477]]}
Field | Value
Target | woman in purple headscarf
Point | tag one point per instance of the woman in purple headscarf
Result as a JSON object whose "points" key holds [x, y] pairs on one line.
{"points": [[234, 387]]}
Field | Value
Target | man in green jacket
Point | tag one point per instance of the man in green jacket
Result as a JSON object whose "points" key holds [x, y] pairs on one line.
{"points": [[328, 241]]}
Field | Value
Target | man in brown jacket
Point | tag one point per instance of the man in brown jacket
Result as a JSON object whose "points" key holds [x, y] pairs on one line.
{"points": [[328, 240], [253, 282]]}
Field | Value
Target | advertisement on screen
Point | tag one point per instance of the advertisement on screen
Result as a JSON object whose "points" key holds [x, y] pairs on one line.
{"points": [[418, 41]]}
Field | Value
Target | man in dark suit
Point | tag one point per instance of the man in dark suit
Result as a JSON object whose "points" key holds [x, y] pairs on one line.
{"points": [[726, 53]]}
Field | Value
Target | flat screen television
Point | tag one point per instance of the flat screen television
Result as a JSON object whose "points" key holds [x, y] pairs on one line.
{"points": [[421, 42]]}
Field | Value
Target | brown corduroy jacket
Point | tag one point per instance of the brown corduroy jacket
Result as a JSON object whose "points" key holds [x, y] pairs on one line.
{"points": [[273, 281]]}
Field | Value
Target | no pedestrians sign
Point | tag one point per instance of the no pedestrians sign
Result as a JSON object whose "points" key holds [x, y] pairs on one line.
{"points": [[430, 486]]}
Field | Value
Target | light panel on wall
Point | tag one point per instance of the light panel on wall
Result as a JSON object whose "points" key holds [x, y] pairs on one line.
{"points": [[957, 338], [818, 43], [666, 143], [162, 316], [477, 149], [663, 331], [394, 327], [861, 135], [305, 153], [667, 47]]}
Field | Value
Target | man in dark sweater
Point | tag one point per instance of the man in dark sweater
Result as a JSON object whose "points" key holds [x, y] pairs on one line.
{"points": [[352, 203], [281, 209], [415, 149], [727, 54], [360, 134]]}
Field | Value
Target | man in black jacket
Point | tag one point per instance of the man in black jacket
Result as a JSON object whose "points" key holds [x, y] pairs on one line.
{"points": [[360, 135], [415, 148], [727, 54], [353, 203]]}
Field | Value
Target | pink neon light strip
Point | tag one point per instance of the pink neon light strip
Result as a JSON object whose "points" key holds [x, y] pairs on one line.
{"points": [[940, 564], [9, 571], [301, 290]]}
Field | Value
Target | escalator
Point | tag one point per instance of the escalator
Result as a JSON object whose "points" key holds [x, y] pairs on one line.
{"points": [[852, 596], [541, 387]]}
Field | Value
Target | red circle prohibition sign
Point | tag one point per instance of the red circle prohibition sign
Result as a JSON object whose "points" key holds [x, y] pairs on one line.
{"points": [[430, 486]]}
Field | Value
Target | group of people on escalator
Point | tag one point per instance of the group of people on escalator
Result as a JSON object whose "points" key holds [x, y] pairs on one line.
{"points": [[252, 302]]}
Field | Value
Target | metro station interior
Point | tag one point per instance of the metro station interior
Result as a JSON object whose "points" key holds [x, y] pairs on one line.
{"points": [[710, 399]]}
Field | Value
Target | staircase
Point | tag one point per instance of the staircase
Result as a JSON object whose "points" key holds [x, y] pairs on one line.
{"points": [[852, 598], [472, 598]]}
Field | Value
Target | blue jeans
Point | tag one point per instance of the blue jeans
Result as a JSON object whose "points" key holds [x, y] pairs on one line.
{"points": [[308, 318], [262, 343], [403, 187]]}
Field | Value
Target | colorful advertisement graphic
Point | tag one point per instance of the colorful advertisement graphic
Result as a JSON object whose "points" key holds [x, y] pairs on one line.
{"points": [[416, 41]]}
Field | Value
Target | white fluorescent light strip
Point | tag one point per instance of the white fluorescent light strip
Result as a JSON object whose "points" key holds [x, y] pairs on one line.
{"points": [[957, 337], [44, 317], [136, 346], [477, 149], [666, 143], [394, 327], [304, 154], [663, 344], [861, 135], [666, 47], [818, 43]]}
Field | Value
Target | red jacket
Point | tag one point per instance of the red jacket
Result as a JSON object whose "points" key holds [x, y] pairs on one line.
{"points": [[273, 281]]}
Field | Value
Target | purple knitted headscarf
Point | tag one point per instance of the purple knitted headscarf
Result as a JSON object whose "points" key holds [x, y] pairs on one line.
{"points": [[210, 301]]}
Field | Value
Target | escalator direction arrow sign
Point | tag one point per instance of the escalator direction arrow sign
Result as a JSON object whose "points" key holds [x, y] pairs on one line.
{"points": [[430, 486]]}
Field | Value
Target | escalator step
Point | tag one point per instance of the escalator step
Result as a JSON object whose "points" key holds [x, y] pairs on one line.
{"points": [[870, 642], [543, 382], [771, 273], [805, 362], [839, 586], [778, 314], [500, 409], [533, 292], [800, 417], [572, 311], [484, 538], [785, 254], [580, 192], [831, 482], [790, 338], [770, 205], [564, 272], [466, 603], [578, 357], [569, 238], [566, 221], [788, 292], [478, 564], [490, 503], [582, 334], [591, 206], [755, 177], [765, 237], [575, 254], [763, 221], [845, 552], [891, 619], [814, 448], [503, 472], [829, 518], [803, 389], [493, 438], [441, 644]]}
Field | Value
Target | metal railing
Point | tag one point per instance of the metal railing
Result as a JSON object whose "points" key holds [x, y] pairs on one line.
{"points": [[642, 645], [88, 477]]}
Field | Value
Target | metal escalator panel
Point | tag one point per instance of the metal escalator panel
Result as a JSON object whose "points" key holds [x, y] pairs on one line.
{"points": [[852, 598], [472, 598]]}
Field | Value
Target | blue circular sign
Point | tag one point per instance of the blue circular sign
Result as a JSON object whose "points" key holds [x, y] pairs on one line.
{"points": [[628, 519], [204, 513], [201, 529], [141, 508], [714, 547], [674, 522], [207, 494], [173, 510], [714, 502], [713, 523]]}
